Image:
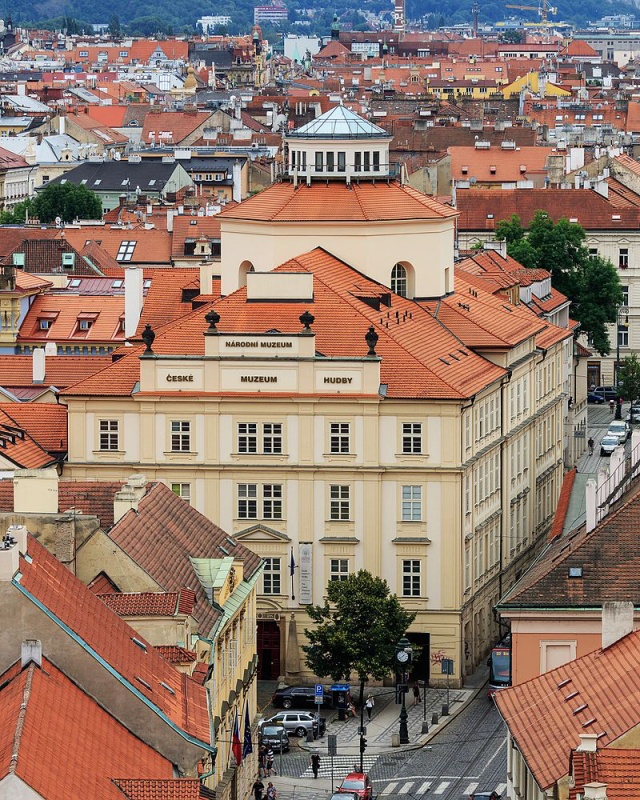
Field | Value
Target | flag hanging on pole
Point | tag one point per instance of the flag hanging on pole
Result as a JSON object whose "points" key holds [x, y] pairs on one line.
{"points": [[292, 564], [247, 745], [236, 744]]}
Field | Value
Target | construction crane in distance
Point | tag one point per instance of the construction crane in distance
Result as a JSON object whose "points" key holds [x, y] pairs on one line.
{"points": [[542, 8]]}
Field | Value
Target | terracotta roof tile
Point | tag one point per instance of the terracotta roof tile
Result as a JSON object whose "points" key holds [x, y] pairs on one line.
{"points": [[563, 504], [44, 712], [619, 769], [50, 583], [133, 604], [175, 654], [178, 124], [60, 371], [152, 246], [162, 536], [17, 447], [27, 282], [46, 423], [164, 301], [66, 313], [481, 210], [496, 165], [546, 726], [176, 789], [283, 202]]}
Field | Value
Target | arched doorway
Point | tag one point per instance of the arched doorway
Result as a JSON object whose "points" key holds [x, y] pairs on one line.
{"points": [[402, 279], [244, 268], [268, 649]]}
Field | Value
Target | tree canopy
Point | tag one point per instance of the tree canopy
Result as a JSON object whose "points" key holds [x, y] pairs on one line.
{"points": [[629, 378], [589, 281], [356, 630], [64, 200]]}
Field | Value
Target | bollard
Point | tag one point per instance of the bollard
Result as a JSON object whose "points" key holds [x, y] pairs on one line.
{"points": [[434, 718], [425, 726], [445, 710]]}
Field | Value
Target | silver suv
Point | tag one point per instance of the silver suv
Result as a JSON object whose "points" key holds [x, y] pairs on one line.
{"points": [[301, 723]]}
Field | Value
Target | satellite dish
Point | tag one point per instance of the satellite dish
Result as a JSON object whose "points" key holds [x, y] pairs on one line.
{"points": [[58, 221], [472, 181]]}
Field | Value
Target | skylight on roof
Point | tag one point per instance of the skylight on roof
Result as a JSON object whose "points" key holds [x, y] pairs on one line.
{"points": [[140, 644]]}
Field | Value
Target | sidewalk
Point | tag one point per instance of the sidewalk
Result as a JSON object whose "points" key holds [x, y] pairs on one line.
{"points": [[598, 419], [298, 778]]}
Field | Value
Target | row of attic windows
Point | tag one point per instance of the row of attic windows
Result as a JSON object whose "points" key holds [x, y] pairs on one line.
{"points": [[366, 161]]}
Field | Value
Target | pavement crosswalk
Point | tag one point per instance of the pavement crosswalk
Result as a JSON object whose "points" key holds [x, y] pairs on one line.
{"points": [[419, 788], [341, 765]]}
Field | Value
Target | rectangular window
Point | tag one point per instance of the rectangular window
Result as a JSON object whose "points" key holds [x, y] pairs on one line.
{"points": [[376, 161], [338, 569], [625, 295], [411, 578], [412, 437], [109, 434], [183, 490], [45, 324], [247, 437], [272, 438], [357, 163], [180, 436], [319, 162], [247, 501], [341, 161], [623, 335], [125, 251], [367, 161], [339, 440], [340, 502], [271, 577], [411, 503], [272, 501], [623, 258], [330, 161]]}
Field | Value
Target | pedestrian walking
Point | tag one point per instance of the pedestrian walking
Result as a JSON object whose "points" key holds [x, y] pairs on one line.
{"points": [[369, 705], [612, 406], [416, 694], [270, 767], [591, 444], [258, 788], [262, 761], [315, 764], [271, 791]]}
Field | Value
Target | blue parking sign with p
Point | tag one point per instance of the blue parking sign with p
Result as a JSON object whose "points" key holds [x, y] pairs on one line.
{"points": [[319, 693]]}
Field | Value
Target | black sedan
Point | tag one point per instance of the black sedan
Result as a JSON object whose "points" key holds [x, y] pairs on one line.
{"points": [[298, 697]]}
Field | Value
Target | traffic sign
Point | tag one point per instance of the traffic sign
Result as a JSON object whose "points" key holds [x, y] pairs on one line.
{"points": [[447, 666], [319, 694]]}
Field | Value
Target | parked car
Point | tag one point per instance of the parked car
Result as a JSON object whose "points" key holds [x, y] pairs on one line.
{"points": [[608, 444], [594, 397], [606, 392], [633, 417], [358, 783], [619, 428], [343, 796], [272, 736], [298, 697], [485, 796], [299, 722]]}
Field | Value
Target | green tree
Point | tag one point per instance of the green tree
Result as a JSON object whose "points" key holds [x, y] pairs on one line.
{"points": [[18, 213], [67, 201], [356, 630], [513, 36], [629, 378], [590, 282], [114, 26]]}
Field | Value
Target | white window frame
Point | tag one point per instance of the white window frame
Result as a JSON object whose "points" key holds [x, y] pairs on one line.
{"points": [[272, 575], [182, 490], [109, 435], [412, 438], [411, 502], [180, 430], [411, 577], [339, 502], [338, 569], [339, 438]]}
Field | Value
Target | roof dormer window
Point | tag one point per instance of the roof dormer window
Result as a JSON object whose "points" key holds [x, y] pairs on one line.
{"points": [[125, 251]]}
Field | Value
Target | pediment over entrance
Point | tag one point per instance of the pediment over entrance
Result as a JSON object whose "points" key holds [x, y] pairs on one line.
{"points": [[261, 533]]}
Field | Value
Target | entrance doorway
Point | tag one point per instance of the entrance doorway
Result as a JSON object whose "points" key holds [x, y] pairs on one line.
{"points": [[268, 650], [420, 669], [593, 373]]}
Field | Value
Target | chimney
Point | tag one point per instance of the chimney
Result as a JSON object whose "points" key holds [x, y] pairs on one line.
{"points": [[38, 364], [595, 791], [35, 491], [51, 349], [170, 213], [237, 181], [62, 125], [206, 276], [129, 496], [617, 621], [588, 743], [31, 651], [133, 299], [9, 557]]}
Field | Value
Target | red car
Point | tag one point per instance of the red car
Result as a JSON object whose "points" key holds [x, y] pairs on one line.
{"points": [[358, 783]]}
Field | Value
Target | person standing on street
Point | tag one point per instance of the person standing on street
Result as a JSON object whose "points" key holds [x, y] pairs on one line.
{"points": [[270, 767], [315, 764], [591, 444], [416, 694], [369, 706], [262, 762], [258, 788], [271, 791]]}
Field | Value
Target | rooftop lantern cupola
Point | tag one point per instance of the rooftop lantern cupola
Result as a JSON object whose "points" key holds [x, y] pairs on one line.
{"points": [[338, 145], [335, 28]]}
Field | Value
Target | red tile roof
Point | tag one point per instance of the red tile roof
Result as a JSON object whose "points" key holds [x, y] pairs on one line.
{"points": [[596, 693], [495, 165], [178, 124], [176, 789], [618, 769], [46, 423], [65, 313], [51, 584], [420, 357], [563, 504], [147, 604], [164, 534], [60, 371], [164, 300], [17, 447], [59, 741], [175, 654], [27, 282], [152, 246], [283, 202], [481, 210]]}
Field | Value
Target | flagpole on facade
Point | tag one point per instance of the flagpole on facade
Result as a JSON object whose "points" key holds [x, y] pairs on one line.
{"points": [[292, 569]]}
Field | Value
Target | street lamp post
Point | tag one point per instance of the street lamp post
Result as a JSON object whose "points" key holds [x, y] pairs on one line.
{"points": [[403, 658], [621, 311]]}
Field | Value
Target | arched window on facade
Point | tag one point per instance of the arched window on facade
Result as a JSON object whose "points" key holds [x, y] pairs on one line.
{"points": [[399, 282], [245, 268]]}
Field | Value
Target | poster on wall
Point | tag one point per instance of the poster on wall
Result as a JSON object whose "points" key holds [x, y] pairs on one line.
{"points": [[306, 581]]}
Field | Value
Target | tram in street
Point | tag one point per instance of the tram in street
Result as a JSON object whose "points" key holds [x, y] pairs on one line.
{"points": [[499, 663]]}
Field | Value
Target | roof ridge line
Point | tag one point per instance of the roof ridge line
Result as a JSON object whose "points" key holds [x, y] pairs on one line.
{"points": [[26, 694]]}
